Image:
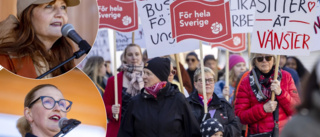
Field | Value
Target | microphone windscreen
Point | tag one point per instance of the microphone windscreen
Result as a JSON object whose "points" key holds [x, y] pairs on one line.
{"points": [[62, 122], [66, 28]]}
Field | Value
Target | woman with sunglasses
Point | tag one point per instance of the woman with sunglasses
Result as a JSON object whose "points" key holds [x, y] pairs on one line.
{"points": [[96, 69], [160, 110], [44, 106], [218, 108], [253, 103]]}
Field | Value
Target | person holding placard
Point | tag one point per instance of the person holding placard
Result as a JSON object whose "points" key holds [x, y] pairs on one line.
{"points": [[32, 44], [161, 109], [130, 83], [218, 108], [306, 123], [253, 103], [237, 65], [44, 106]]}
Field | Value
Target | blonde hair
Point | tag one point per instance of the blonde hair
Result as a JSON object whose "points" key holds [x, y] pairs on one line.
{"points": [[92, 68], [22, 123], [197, 73]]}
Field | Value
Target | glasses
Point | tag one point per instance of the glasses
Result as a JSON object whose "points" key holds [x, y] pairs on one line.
{"points": [[209, 80], [173, 72], [192, 60], [260, 59], [105, 64], [49, 103]]}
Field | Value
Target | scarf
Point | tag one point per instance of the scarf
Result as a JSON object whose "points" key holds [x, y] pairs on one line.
{"points": [[262, 88], [154, 90], [202, 99], [134, 75]]}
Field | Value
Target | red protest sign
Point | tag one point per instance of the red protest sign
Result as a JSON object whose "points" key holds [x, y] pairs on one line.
{"points": [[200, 19], [236, 44], [118, 15]]}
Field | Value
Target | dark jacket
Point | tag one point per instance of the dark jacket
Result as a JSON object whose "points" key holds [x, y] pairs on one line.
{"points": [[224, 113], [30, 135], [168, 115]]}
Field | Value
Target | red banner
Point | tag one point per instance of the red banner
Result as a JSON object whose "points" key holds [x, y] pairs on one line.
{"points": [[200, 19], [236, 44], [120, 15]]}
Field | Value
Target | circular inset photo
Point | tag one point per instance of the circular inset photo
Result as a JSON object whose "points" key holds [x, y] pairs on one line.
{"points": [[66, 105], [46, 38]]}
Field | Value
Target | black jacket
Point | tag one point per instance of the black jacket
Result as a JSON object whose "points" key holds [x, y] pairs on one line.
{"points": [[167, 116], [30, 135], [224, 113]]}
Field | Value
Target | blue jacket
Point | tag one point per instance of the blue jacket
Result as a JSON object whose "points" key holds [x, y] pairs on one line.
{"points": [[218, 88]]}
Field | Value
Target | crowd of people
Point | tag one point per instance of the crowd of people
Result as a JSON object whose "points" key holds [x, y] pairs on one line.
{"points": [[151, 103]]}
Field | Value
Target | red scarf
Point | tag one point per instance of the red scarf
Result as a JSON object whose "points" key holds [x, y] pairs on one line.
{"points": [[154, 90], [201, 98]]}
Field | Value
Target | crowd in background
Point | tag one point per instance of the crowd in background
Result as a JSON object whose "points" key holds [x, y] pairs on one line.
{"points": [[151, 101]]}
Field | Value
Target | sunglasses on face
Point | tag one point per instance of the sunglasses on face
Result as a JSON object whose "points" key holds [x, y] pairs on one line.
{"points": [[49, 103], [192, 60], [260, 59]]}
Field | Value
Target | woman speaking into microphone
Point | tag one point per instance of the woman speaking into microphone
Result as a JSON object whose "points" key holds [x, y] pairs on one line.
{"points": [[32, 43], [44, 106]]}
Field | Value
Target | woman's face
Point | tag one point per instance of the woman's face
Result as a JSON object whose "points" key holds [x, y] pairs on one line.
{"points": [[192, 62], [239, 68], [47, 20], [264, 66], [209, 79], [149, 78], [291, 63], [42, 120], [103, 69], [133, 56]]}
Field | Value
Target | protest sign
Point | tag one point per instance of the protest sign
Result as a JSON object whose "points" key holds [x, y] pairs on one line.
{"points": [[100, 47], [284, 27], [200, 19], [156, 23], [123, 39], [236, 44], [242, 15], [118, 15], [316, 27]]}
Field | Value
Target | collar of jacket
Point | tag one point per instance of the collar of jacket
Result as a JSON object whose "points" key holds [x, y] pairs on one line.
{"points": [[216, 101], [30, 135], [168, 90]]}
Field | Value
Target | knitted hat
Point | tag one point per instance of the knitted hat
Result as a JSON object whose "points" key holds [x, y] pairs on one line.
{"points": [[234, 59], [208, 57], [23, 4], [193, 54], [160, 67], [210, 127]]}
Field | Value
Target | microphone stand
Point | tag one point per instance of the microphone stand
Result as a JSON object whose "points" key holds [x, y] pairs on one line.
{"points": [[84, 48], [67, 128]]}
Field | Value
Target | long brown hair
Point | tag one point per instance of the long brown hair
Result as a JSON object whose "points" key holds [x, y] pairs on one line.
{"points": [[26, 43]]}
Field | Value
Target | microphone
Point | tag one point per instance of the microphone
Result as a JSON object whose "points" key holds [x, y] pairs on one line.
{"points": [[66, 125], [67, 30]]}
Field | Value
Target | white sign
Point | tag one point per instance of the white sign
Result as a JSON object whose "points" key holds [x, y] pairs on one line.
{"points": [[242, 15], [123, 39], [284, 27], [99, 48], [316, 27], [156, 23]]}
